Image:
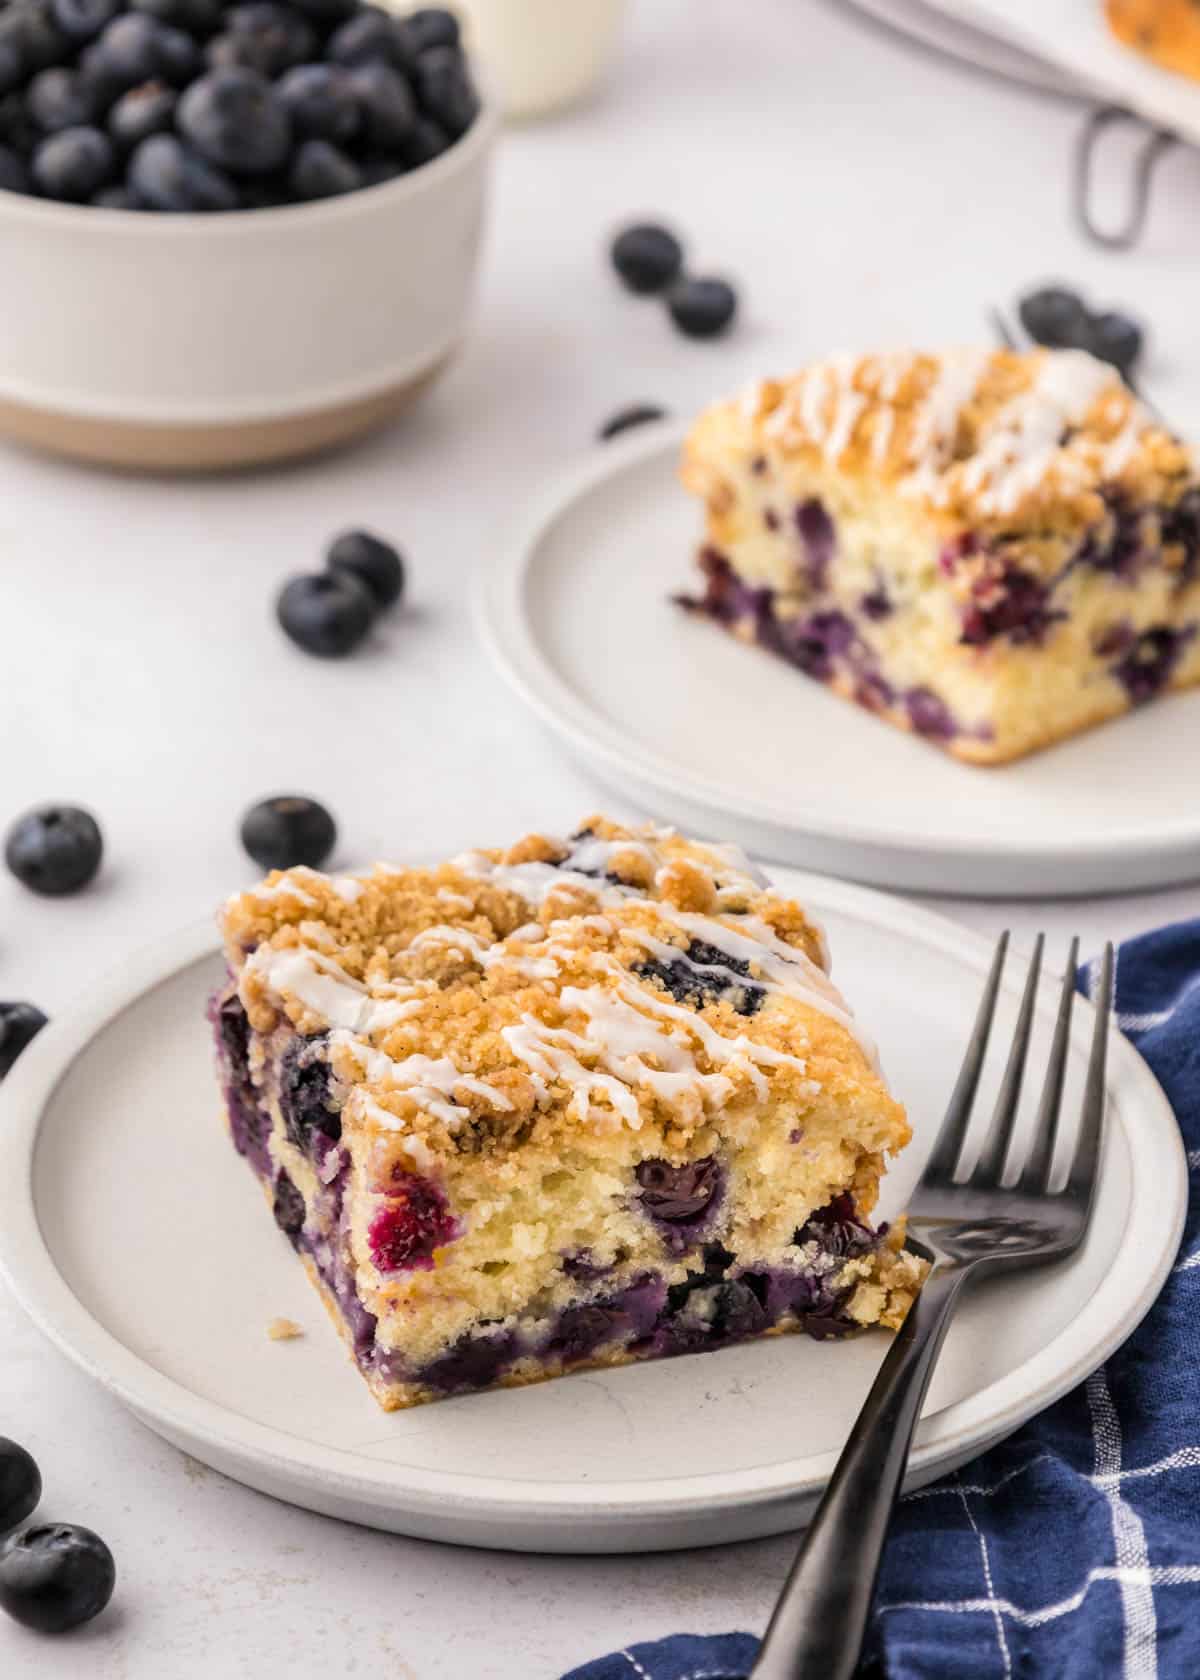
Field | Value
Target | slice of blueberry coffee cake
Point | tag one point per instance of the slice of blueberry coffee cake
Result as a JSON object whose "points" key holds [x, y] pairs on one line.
{"points": [[572, 1104], [991, 549]]}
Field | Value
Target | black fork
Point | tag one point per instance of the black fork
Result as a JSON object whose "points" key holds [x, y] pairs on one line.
{"points": [[964, 1229]]}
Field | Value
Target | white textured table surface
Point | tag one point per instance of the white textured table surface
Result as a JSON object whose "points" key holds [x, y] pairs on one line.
{"points": [[862, 197]]}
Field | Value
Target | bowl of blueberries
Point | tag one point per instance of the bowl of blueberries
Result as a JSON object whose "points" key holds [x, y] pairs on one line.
{"points": [[233, 232]]}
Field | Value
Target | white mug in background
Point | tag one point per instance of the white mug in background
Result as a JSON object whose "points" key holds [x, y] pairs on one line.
{"points": [[541, 55]]}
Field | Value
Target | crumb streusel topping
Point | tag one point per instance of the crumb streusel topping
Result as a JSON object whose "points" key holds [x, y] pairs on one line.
{"points": [[993, 439], [508, 995]]}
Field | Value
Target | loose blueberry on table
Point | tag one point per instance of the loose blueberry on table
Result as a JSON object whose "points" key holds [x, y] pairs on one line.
{"points": [[55, 1577], [54, 849], [327, 613], [637, 414], [647, 257], [702, 308], [1059, 319], [20, 1484], [197, 106], [371, 561], [287, 830], [20, 1024]]}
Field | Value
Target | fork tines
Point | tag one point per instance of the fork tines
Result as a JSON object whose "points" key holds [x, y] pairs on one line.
{"points": [[1035, 1174]]}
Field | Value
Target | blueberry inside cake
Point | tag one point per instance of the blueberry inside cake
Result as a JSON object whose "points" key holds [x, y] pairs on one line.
{"points": [[571, 1104], [992, 550]]}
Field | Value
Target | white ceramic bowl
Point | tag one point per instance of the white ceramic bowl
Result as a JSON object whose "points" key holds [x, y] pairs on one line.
{"points": [[163, 341]]}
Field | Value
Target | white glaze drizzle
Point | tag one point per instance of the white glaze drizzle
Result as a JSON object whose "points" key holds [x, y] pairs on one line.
{"points": [[936, 420], [429, 1081], [317, 982], [1015, 456]]}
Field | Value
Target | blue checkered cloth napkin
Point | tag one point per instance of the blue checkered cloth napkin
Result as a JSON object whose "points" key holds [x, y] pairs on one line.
{"points": [[1072, 1550]]}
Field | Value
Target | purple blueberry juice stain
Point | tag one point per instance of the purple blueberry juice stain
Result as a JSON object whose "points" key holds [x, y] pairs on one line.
{"points": [[681, 1201], [305, 1096], [1017, 606], [817, 534], [876, 604], [415, 1220], [288, 1207], [929, 715], [1147, 667], [249, 1127], [771, 519], [1181, 528], [702, 974], [758, 466]]}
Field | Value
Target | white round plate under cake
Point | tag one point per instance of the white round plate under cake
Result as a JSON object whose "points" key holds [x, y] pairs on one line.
{"points": [[731, 741], [142, 1246]]}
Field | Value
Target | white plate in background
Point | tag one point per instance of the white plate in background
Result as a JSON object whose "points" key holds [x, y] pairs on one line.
{"points": [[1074, 35], [141, 1244], [728, 740]]}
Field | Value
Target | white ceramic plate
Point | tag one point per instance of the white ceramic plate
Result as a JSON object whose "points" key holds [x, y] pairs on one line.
{"points": [[730, 741], [1074, 35], [140, 1243]]}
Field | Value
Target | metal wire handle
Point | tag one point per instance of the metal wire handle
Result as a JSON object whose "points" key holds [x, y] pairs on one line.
{"points": [[1097, 120], [1156, 143]]}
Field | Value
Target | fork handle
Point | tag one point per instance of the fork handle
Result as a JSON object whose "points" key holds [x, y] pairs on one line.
{"points": [[820, 1621]]}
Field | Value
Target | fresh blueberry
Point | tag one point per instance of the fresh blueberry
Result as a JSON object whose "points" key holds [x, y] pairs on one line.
{"points": [[287, 830], [20, 1024], [74, 163], [135, 48], [167, 175], [445, 89], [378, 167], [264, 192], [432, 26], [17, 130], [54, 849], [320, 170], [30, 29], [702, 308], [370, 561], [198, 17], [1056, 317], [372, 36], [12, 71], [637, 414], [388, 108], [288, 1206], [263, 36], [647, 257], [118, 197], [20, 1482], [327, 613], [14, 177], [327, 12], [60, 99], [80, 20], [55, 1576], [427, 141], [234, 118], [143, 111], [1116, 338], [319, 99]]}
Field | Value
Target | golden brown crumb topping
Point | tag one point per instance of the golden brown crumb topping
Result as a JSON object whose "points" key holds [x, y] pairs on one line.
{"points": [[991, 440]]}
